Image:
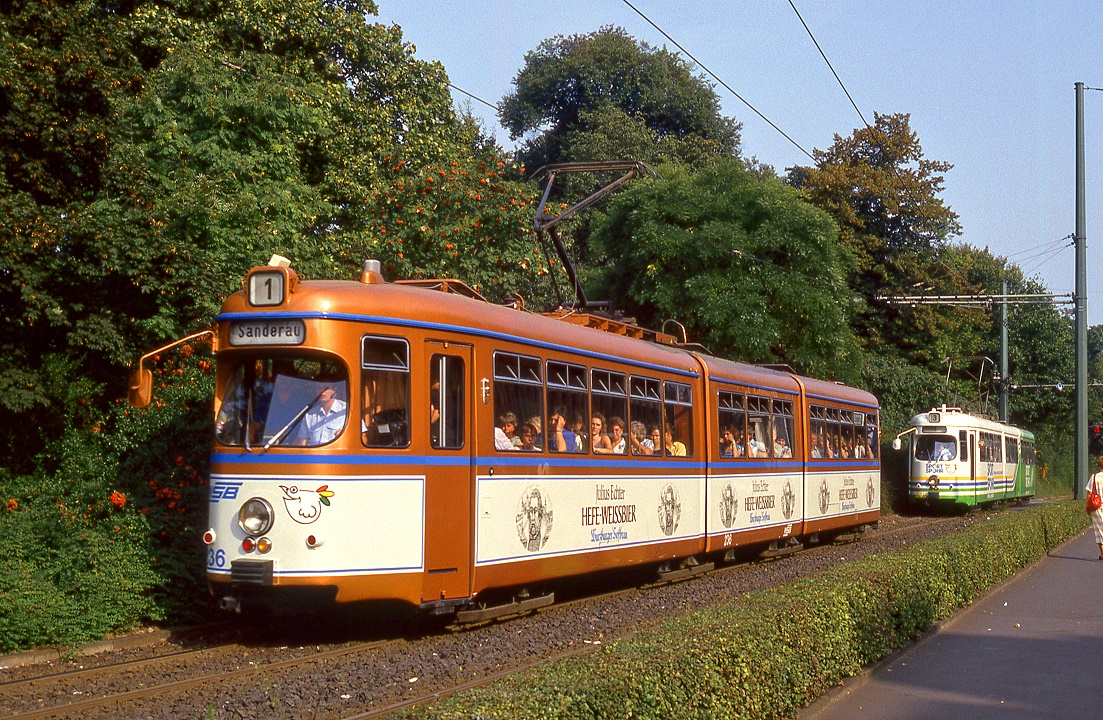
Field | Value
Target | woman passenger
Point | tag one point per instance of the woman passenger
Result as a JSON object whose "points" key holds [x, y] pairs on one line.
{"points": [[637, 439], [619, 442], [673, 447], [597, 434]]}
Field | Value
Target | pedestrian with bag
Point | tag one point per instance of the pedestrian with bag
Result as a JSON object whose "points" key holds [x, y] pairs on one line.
{"points": [[1094, 505]]}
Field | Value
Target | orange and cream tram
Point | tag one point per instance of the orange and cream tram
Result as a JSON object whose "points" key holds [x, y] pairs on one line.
{"points": [[410, 441]]}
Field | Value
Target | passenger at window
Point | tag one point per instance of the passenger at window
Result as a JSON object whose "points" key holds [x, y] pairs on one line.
{"points": [[528, 436], [781, 446], [814, 442], [673, 447], [578, 427], [727, 444], [560, 439], [638, 440], [505, 434], [656, 440], [619, 442], [597, 434], [538, 424], [756, 448]]}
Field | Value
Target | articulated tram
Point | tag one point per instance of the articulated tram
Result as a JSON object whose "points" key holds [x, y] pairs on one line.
{"points": [[955, 458], [410, 441]]}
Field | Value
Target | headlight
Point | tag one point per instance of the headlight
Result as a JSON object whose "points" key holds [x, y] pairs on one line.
{"points": [[255, 516]]}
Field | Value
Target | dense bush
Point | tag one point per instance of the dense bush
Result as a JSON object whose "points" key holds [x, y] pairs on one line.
{"points": [[111, 536], [770, 653]]}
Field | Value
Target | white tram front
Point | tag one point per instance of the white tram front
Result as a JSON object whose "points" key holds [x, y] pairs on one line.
{"points": [[955, 458]]}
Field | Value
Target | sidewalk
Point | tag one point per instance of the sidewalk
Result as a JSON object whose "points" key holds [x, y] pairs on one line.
{"points": [[1030, 649]]}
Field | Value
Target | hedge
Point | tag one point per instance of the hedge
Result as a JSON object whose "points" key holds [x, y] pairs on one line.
{"points": [[770, 653]]}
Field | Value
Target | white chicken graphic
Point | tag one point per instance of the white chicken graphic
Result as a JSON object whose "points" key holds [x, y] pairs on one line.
{"points": [[304, 506]]}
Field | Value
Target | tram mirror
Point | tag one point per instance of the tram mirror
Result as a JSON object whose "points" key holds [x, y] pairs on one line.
{"points": [[140, 389], [896, 444]]}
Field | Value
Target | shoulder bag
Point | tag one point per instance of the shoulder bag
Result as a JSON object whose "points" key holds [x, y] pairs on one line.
{"points": [[1094, 501]]}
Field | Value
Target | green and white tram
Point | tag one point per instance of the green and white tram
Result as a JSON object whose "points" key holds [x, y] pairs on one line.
{"points": [[955, 458]]}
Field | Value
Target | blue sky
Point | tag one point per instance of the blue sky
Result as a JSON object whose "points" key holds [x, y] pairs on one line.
{"points": [[989, 87]]}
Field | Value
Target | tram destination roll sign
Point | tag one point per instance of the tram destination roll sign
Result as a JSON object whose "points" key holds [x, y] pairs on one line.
{"points": [[267, 332]]}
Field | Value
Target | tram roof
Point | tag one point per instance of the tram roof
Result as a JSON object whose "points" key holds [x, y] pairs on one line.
{"points": [[958, 418], [425, 306]]}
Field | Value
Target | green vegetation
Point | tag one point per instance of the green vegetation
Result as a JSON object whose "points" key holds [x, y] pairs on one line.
{"points": [[770, 653], [151, 152]]}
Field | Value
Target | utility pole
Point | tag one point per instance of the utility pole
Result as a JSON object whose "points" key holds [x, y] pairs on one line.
{"points": [[1081, 300], [1003, 354]]}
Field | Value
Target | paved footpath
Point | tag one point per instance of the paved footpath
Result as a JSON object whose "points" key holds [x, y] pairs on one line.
{"points": [[1032, 648]]}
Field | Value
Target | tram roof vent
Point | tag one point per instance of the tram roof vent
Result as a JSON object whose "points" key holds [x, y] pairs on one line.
{"points": [[372, 274]]}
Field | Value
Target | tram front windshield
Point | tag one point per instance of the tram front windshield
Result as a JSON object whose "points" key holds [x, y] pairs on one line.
{"points": [[935, 447], [283, 400]]}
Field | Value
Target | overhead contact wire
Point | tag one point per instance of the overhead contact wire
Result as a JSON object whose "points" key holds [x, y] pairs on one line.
{"points": [[719, 80]]}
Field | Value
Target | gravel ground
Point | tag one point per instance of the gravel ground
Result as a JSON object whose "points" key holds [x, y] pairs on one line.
{"points": [[424, 660]]}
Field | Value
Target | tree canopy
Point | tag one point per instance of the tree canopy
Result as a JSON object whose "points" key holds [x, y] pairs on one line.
{"points": [[153, 152], [753, 271], [605, 95]]}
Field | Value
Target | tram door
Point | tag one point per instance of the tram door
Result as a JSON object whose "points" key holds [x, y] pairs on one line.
{"points": [[449, 473]]}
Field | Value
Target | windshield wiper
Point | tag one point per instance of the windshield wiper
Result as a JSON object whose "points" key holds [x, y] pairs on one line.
{"points": [[299, 416]]}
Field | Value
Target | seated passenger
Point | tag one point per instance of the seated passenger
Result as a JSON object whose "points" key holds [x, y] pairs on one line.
{"points": [[597, 434], [578, 427], [528, 436], [538, 424], [727, 443], [638, 440], [814, 444], [656, 440], [560, 439], [505, 434], [619, 442], [781, 447], [756, 448], [673, 447]]}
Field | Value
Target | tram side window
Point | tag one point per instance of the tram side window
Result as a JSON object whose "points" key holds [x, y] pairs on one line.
{"points": [[608, 393], [678, 419], [872, 443], [1011, 449], [1028, 453], [645, 416], [833, 440], [283, 400], [817, 423], [733, 424], [758, 427], [518, 402], [990, 450], [385, 388], [446, 402], [846, 440], [568, 411], [783, 429], [963, 436]]}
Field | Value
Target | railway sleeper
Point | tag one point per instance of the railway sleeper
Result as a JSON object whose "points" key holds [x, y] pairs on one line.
{"points": [[515, 607]]}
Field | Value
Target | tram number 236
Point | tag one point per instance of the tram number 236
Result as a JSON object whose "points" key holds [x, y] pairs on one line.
{"points": [[216, 558], [728, 539]]}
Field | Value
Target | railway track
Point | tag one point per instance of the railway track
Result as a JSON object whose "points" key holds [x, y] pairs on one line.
{"points": [[369, 679], [111, 699]]}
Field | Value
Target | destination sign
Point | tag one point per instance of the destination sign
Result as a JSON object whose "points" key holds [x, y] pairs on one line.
{"points": [[267, 332]]}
